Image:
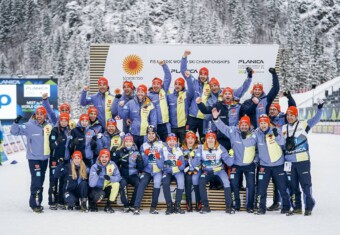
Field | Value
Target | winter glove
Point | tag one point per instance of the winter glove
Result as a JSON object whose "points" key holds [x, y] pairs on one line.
{"points": [[179, 163], [75, 141], [60, 139], [287, 94], [157, 155], [275, 132], [61, 161], [321, 103], [272, 70], [99, 170], [99, 135], [249, 72], [118, 96], [244, 134], [19, 117], [93, 144], [107, 177], [147, 151]]}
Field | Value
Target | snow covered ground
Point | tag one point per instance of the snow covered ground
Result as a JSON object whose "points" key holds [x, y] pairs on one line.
{"points": [[17, 218]]}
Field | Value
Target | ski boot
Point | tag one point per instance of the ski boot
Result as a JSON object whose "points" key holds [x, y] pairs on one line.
{"points": [[83, 205], [153, 211], [108, 207], [53, 207], [274, 207], [308, 212], [230, 210], [177, 209], [169, 209], [136, 211], [205, 210]]}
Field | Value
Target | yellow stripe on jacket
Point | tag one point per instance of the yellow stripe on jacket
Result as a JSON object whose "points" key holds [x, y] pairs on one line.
{"points": [[144, 116], [47, 132], [205, 96], [163, 104], [274, 149], [108, 102], [181, 117]]}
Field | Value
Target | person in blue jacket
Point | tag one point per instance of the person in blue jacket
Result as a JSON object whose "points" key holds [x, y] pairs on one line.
{"points": [[37, 131], [192, 174], [128, 94], [210, 155], [130, 163], [76, 186], [278, 119], [243, 159], [111, 139], [260, 102], [173, 166], [104, 182], [63, 108], [298, 157], [102, 100], [202, 89], [94, 122], [179, 102], [158, 95], [141, 112], [83, 138], [269, 141], [150, 151], [59, 140]]}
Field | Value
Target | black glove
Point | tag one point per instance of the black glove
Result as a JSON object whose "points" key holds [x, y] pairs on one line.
{"points": [[118, 96], [60, 139], [75, 141], [106, 177], [287, 94], [61, 161], [19, 117], [93, 144], [249, 72], [99, 169], [272, 70], [320, 105], [152, 155], [275, 132], [244, 134]]}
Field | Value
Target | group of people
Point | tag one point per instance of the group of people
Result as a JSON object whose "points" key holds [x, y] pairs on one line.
{"points": [[92, 159]]}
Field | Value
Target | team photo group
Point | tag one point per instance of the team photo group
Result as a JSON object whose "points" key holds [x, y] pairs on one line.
{"points": [[197, 134]]}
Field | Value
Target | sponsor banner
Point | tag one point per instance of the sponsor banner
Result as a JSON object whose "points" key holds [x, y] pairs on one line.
{"points": [[22, 96], [227, 63], [11, 144]]}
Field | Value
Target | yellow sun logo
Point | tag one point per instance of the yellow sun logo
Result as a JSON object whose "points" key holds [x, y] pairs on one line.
{"points": [[132, 64]]}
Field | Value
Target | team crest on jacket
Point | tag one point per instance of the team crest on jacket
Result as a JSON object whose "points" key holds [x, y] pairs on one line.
{"points": [[211, 156], [88, 133]]}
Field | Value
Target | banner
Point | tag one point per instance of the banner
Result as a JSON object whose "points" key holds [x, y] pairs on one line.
{"points": [[227, 63], [21, 96]]}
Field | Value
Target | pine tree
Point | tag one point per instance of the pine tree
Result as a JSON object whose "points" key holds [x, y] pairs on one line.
{"points": [[3, 64], [241, 32]]}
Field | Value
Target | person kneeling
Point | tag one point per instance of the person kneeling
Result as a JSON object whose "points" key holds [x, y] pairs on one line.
{"points": [[104, 180], [75, 181]]}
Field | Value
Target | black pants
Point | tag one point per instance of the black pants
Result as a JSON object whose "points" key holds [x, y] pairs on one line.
{"points": [[82, 191], [37, 170], [139, 140], [53, 196], [196, 124], [132, 180], [162, 131], [180, 133]]}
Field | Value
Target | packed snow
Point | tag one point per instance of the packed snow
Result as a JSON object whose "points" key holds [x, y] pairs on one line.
{"points": [[16, 217]]}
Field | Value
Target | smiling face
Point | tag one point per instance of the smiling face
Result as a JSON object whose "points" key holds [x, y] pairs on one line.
{"points": [[128, 143], [227, 97], [178, 87], [257, 92], [84, 122], [104, 159], [171, 143], [92, 116], [190, 142], [63, 123], [102, 87], [40, 117], [244, 127], [76, 160], [291, 118], [214, 88], [141, 95], [273, 111], [151, 136], [264, 126]]}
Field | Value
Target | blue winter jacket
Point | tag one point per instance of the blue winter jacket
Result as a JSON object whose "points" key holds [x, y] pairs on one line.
{"points": [[211, 160], [110, 169], [129, 161], [170, 158], [300, 152], [243, 155], [269, 146], [108, 141], [64, 171], [133, 110], [255, 111], [60, 149], [98, 101], [114, 109], [162, 94], [149, 150], [38, 144], [86, 141]]}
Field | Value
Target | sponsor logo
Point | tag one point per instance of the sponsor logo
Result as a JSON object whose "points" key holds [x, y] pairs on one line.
{"points": [[250, 62], [5, 100], [132, 64]]}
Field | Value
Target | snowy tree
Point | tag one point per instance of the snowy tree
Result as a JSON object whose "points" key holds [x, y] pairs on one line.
{"points": [[3, 64], [241, 31]]}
